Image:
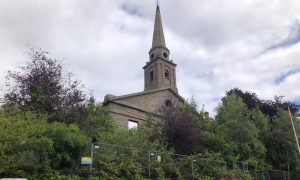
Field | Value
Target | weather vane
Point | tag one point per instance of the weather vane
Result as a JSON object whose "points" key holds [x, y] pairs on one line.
{"points": [[157, 2]]}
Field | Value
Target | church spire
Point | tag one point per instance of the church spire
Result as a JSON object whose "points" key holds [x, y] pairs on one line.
{"points": [[160, 71], [158, 34], [159, 48]]}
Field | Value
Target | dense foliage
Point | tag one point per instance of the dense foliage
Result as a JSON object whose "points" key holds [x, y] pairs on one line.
{"points": [[268, 107], [239, 131], [31, 145], [47, 124], [181, 129], [42, 86]]}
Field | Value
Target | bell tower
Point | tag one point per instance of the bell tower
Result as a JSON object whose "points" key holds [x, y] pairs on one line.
{"points": [[159, 71]]}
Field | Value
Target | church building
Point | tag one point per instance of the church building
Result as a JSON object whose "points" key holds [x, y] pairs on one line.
{"points": [[160, 88]]}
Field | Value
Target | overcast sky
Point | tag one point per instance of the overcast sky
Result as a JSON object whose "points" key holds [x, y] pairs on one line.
{"points": [[217, 44]]}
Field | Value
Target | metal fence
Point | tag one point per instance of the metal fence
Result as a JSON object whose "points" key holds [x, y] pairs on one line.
{"points": [[150, 163], [274, 175]]}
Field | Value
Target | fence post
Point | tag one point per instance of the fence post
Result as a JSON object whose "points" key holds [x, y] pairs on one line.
{"points": [[193, 176], [149, 173], [284, 175], [255, 174], [263, 174], [92, 154]]}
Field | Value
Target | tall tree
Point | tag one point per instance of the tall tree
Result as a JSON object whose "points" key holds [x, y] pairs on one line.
{"points": [[181, 128], [42, 85], [282, 149], [238, 130], [268, 107]]}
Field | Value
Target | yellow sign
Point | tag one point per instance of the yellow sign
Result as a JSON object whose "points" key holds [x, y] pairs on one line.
{"points": [[86, 160]]}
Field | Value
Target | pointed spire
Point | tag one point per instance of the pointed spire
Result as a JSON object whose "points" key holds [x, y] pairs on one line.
{"points": [[158, 34]]}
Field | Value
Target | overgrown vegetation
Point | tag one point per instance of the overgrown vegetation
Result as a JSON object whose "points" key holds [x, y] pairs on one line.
{"points": [[47, 124]]}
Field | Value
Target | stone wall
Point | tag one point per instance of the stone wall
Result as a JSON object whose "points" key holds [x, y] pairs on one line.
{"points": [[140, 107], [121, 114], [152, 102], [158, 67]]}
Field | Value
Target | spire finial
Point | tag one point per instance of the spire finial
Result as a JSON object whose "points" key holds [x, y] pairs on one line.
{"points": [[158, 34]]}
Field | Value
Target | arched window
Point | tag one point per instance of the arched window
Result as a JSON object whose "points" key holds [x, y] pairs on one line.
{"points": [[151, 75], [152, 56], [166, 74], [169, 103]]}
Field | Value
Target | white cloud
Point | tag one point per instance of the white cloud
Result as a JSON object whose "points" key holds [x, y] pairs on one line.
{"points": [[218, 45]]}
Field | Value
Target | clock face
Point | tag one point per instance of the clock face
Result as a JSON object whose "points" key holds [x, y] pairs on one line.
{"points": [[152, 56], [165, 55]]}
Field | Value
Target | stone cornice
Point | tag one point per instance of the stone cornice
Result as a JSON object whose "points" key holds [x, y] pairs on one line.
{"points": [[113, 98], [167, 61]]}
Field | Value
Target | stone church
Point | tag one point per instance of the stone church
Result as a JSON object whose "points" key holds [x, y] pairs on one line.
{"points": [[159, 86]]}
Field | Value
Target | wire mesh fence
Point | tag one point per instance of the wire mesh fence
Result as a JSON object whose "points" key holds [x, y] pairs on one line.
{"points": [[111, 159], [150, 164], [274, 175]]}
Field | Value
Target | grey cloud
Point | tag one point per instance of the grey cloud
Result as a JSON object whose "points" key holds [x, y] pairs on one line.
{"points": [[217, 45], [292, 38]]}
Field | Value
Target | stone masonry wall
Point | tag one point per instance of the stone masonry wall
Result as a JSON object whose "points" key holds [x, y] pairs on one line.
{"points": [[126, 109]]}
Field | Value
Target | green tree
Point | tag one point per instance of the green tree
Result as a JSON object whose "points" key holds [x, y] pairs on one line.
{"points": [[268, 107], [209, 165], [23, 147], [238, 130], [30, 145], [282, 148], [125, 154], [97, 120], [69, 144]]}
